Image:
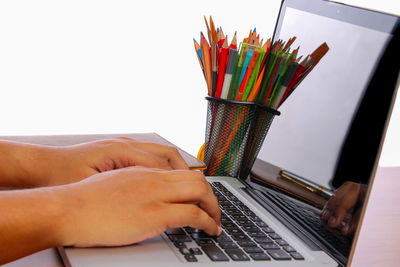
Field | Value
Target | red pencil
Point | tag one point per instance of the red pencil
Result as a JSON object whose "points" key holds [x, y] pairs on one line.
{"points": [[234, 42], [223, 60]]}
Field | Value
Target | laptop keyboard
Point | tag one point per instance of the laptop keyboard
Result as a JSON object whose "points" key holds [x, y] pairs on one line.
{"points": [[312, 220], [244, 237]]}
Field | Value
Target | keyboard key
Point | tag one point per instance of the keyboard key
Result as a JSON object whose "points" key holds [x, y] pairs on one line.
{"points": [[191, 230], [227, 206], [261, 224], [256, 234], [180, 244], [200, 235], [281, 242], [278, 254], [248, 243], [235, 231], [260, 239], [228, 224], [255, 218], [267, 229], [222, 238], [244, 222], [259, 256], [179, 238], [297, 256], [269, 246], [249, 228], [196, 251], [240, 217], [175, 231], [184, 251], [205, 242], [289, 249], [237, 255], [253, 250], [191, 258], [241, 237], [226, 245], [233, 212], [274, 236], [214, 253]]}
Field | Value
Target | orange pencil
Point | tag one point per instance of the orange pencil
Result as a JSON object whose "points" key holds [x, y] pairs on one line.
{"points": [[205, 50], [198, 51], [213, 31], [208, 30], [254, 92]]}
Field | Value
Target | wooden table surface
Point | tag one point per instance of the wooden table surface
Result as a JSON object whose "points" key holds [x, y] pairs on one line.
{"points": [[378, 239]]}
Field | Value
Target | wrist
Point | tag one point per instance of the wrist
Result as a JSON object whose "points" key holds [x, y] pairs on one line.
{"points": [[67, 207], [20, 165], [60, 214], [35, 221]]}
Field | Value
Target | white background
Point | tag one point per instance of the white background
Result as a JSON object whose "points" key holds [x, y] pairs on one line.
{"points": [[86, 67]]}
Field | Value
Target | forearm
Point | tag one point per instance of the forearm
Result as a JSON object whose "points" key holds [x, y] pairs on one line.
{"points": [[34, 221], [18, 162]]}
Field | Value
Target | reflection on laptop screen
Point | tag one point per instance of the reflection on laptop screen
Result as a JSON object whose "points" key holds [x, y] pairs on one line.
{"points": [[331, 127], [308, 137]]}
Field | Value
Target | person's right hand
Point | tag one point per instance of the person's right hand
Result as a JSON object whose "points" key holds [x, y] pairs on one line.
{"points": [[132, 204]]}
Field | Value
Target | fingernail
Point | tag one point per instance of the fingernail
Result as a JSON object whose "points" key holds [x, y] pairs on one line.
{"points": [[325, 215], [345, 228], [332, 220], [219, 229]]}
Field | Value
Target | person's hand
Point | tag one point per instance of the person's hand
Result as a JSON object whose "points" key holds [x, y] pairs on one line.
{"points": [[129, 205], [68, 164], [340, 210]]}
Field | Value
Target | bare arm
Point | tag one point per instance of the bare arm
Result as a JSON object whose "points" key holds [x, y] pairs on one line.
{"points": [[112, 208], [26, 165]]}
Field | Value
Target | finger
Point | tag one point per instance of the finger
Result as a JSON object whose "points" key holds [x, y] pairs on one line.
{"points": [[351, 226], [168, 152], [145, 159], [337, 217], [325, 215], [183, 176], [180, 215], [195, 192]]}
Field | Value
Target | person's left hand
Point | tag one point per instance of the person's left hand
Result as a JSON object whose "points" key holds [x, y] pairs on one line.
{"points": [[68, 164], [341, 209]]}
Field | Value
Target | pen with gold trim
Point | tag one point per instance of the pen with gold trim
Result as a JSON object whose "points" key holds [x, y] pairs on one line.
{"points": [[313, 187]]}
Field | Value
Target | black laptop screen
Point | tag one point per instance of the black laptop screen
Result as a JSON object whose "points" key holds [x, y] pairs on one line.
{"points": [[308, 138], [331, 128]]}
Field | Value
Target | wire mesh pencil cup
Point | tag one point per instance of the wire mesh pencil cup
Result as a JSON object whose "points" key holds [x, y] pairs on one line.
{"points": [[233, 138], [260, 125]]}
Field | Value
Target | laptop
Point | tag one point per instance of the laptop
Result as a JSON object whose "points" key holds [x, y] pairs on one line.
{"points": [[337, 115]]}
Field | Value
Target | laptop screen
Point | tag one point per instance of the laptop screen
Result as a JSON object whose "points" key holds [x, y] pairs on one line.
{"points": [[309, 137], [331, 127]]}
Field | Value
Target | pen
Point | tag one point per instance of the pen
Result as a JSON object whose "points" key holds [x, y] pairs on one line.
{"points": [[214, 69], [315, 188], [228, 74]]}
